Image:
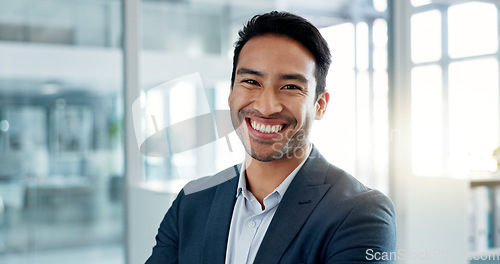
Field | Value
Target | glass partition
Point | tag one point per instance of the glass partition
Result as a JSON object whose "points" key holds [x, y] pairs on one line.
{"points": [[61, 143]]}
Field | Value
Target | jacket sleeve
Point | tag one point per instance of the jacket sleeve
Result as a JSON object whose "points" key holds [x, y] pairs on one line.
{"points": [[167, 240], [367, 234]]}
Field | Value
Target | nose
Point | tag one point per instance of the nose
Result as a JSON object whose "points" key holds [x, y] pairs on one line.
{"points": [[268, 102]]}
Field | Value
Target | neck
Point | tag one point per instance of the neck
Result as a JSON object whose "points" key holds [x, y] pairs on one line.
{"points": [[265, 177]]}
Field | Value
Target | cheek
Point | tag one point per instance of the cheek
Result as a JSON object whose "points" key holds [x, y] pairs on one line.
{"points": [[239, 99], [305, 116], [233, 98], [299, 108], [234, 103]]}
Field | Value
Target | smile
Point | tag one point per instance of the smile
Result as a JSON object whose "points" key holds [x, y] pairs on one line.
{"points": [[266, 128]]}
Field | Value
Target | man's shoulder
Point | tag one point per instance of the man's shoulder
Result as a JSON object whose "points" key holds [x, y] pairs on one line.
{"points": [[349, 198], [344, 186], [208, 182]]}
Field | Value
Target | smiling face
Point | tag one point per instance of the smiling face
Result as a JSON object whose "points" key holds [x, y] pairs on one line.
{"points": [[272, 98]]}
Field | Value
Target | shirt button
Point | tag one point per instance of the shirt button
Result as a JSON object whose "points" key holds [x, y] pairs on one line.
{"points": [[251, 224]]}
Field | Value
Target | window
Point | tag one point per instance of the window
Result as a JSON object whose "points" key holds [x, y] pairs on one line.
{"points": [[426, 36], [473, 114], [427, 119], [354, 132], [455, 99], [473, 29]]}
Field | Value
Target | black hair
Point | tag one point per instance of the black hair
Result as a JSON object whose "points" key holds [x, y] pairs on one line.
{"points": [[291, 26]]}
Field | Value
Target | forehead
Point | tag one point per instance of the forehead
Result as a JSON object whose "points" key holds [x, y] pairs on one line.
{"points": [[275, 53]]}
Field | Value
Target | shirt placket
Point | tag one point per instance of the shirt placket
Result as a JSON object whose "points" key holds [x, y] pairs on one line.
{"points": [[248, 232]]}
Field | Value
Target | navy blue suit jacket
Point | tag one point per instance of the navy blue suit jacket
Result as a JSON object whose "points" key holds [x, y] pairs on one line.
{"points": [[325, 216]]}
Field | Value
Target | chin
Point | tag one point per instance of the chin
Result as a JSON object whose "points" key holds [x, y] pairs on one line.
{"points": [[276, 152], [264, 156]]}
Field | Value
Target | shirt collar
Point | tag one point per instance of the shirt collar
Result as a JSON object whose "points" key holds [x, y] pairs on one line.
{"points": [[281, 189]]}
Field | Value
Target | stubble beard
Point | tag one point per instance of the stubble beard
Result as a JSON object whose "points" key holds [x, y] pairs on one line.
{"points": [[285, 150]]}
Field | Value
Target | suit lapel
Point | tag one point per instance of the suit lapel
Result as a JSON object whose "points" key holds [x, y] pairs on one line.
{"points": [[219, 220], [302, 196]]}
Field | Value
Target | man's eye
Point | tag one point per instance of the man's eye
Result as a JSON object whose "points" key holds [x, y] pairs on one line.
{"points": [[291, 87], [253, 82]]}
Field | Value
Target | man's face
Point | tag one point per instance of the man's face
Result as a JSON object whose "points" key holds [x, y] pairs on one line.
{"points": [[272, 97]]}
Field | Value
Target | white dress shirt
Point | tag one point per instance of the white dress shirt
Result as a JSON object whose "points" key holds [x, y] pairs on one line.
{"points": [[249, 222]]}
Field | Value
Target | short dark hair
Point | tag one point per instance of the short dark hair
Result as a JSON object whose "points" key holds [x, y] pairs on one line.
{"points": [[291, 26]]}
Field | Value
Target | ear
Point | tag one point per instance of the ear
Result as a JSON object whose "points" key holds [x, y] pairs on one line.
{"points": [[321, 104]]}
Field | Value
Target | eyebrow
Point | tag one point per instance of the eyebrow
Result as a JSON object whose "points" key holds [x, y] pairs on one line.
{"points": [[249, 71], [298, 77]]}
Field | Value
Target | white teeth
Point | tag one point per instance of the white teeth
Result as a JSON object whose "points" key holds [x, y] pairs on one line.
{"points": [[266, 128]]}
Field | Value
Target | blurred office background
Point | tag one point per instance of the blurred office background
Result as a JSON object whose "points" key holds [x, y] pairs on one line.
{"points": [[414, 112]]}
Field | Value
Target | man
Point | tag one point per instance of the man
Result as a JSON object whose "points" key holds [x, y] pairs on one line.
{"points": [[286, 203]]}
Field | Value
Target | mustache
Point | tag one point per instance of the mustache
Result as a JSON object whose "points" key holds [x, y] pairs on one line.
{"points": [[288, 119]]}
